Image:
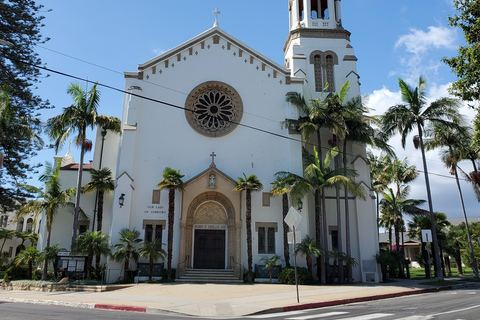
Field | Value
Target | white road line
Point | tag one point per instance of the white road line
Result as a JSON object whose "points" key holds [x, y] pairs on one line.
{"points": [[273, 315], [318, 316], [368, 316], [453, 311], [415, 318]]}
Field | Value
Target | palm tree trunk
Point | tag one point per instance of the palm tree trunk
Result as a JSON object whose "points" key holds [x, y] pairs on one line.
{"points": [[348, 248], [401, 273], [99, 221], [171, 217], [430, 207], [45, 262], [248, 221], [325, 237], [470, 246], [79, 186], [150, 268], [89, 265], [390, 237], [318, 237], [286, 248]]}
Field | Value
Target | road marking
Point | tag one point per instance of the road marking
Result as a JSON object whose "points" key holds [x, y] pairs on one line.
{"points": [[471, 292], [414, 318], [317, 316], [453, 311], [369, 316], [273, 315]]}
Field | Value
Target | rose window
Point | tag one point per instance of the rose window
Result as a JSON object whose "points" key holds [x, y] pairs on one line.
{"points": [[213, 109]]}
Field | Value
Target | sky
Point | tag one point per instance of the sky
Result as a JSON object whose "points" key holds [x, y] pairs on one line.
{"points": [[98, 40]]}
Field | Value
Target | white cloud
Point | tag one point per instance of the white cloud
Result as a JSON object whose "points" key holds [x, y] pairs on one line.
{"points": [[158, 52], [419, 41]]}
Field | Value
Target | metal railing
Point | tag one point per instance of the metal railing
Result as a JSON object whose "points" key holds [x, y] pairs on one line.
{"points": [[238, 267], [180, 268]]}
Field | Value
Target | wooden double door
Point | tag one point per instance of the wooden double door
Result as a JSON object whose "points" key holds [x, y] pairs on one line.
{"points": [[209, 249]]}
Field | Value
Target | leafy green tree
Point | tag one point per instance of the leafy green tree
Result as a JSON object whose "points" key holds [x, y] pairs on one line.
{"points": [[454, 245], [6, 234], [49, 201], [282, 186], [101, 182], [271, 263], [27, 236], [153, 251], [466, 65], [386, 221], [172, 181], [92, 243], [18, 142], [413, 114], [127, 248], [77, 118], [249, 184], [21, 25], [386, 259], [450, 140], [308, 247], [28, 256]]}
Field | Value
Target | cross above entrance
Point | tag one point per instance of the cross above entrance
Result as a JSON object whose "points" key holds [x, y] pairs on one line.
{"points": [[216, 13], [213, 155]]}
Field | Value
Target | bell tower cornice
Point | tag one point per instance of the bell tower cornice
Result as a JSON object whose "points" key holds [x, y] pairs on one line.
{"points": [[316, 33]]}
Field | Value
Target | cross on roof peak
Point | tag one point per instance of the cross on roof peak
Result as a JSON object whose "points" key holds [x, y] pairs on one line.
{"points": [[216, 13]]}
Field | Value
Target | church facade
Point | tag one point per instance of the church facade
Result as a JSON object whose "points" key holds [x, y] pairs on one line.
{"points": [[212, 108]]}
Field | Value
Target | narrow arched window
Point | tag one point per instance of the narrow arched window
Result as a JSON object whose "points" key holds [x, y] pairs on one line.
{"points": [[317, 65], [20, 225], [329, 73], [29, 225]]}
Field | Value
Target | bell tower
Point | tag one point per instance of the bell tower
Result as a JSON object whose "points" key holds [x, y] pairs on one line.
{"points": [[318, 48]]}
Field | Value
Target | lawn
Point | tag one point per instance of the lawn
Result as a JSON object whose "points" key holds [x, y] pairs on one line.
{"points": [[419, 273]]}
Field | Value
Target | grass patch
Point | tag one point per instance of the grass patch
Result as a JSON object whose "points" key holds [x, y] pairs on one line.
{"points": [[440, 283], [419, 273]]}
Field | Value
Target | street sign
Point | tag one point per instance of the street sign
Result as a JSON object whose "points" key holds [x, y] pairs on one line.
{"points": [[427, 235], [292, 219], [298, 236]]}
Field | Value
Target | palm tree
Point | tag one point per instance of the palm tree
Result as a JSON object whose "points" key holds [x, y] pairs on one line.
{"points": [[415, 113], [249, 184], [271, 263], [50, 254], [6, 234], [126, 249], [77, 118], [153, 251], [172, 180], [30, 236], [49, 202], [395, 204], [282, 186], [386, 221], [451, 141], [92, 243], [28, 256], [309, 247], [100, 182]]}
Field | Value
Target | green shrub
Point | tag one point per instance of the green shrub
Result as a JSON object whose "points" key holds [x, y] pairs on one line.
{"points": [[6, 279], [287, 276], [18, 272], [98, 272], [37, 275], [173, 274]]}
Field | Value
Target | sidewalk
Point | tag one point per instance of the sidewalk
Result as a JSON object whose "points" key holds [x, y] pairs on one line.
{"points": [[220, 300]]}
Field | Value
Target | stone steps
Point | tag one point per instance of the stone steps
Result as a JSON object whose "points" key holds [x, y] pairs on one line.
{"points": [[209, 276]]}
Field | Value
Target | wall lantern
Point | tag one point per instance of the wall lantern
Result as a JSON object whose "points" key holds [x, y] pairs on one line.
{"points": [[300, 205], [121, 200]]}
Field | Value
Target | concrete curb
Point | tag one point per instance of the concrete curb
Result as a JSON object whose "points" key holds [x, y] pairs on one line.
{"points": [[82, 305]]}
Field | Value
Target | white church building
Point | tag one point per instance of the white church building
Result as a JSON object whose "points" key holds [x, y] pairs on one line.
{"points": [[212, 107]]}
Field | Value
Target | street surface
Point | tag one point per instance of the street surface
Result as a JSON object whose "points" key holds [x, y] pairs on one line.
{"points": [[460, 304]]}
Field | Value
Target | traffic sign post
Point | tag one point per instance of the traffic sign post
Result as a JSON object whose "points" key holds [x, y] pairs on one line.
{"points": [[292, 219]]}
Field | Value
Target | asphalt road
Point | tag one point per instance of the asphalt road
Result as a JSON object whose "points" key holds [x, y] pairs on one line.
{"points": [[446, 305]]}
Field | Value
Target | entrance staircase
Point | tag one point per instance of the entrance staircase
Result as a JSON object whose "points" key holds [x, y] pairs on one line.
{"points": [[209, 276]]}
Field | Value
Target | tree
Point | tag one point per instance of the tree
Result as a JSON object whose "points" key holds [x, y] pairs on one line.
{"points": [[6, 234], [386, 221], [28, 256], [92, 243], [153, 251], [271, 263], [309, 247], [49, 201], [249, 184], [283, 186], [101, 182], [30, 236], [466, 65], [126, 249], [450, 141], [415, 114], [77, 118], [21, 25], [172, 180], [50, 254], [18, 140]]}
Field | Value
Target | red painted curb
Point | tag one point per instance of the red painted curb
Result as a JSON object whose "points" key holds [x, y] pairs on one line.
{"points": [[121, 308], [361, 299]]}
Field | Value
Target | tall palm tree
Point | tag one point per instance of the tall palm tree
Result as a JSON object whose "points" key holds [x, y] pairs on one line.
{"points": [[76, 119], [100, 182], [282, 186], [126, 249], [172, 180], [92, 243], [386, 221], [153, 251], [396, 204], [413, 114], [28, 256], [309, 247], [249, 184], [49, 202], [450, 140]]}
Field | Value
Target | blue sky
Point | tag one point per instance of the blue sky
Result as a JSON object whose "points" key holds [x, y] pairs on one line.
{"points": [[99, 40]]}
